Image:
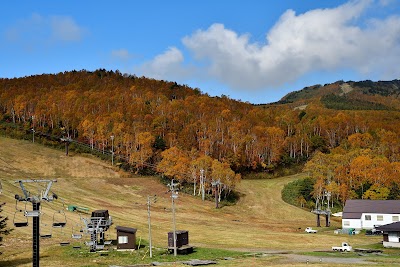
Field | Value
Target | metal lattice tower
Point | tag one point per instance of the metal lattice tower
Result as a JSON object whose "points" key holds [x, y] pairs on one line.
{"points": [[35, 213], [174, 195], [96, 227]]}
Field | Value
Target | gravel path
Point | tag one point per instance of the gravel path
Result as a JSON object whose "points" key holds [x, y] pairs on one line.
{"points": [[312, 259]]}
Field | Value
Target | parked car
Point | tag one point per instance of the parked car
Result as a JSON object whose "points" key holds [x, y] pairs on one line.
{"points": [[310, 230], [345, 247]]}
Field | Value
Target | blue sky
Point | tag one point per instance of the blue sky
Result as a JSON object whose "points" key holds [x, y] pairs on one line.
{"points": [[250, 50]]}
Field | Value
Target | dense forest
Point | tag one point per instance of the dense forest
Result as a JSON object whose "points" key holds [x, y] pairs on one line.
{"points": [[347, 133]]}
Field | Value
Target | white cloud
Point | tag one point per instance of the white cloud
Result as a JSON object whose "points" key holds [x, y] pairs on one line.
{"points": [[386, 2], [65, 29], [121, 54], [298, 44], [166, 66], [38, 30]]}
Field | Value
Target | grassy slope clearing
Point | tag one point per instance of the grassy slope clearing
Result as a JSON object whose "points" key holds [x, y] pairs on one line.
{"points": [[261, 221]]}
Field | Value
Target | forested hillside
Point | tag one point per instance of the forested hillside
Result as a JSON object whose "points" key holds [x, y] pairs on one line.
{"points": [[363, 95], [193, 137]]}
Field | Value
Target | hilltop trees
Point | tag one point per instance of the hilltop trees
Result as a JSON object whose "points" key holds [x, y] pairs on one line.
{"points": [[357, 169], [183, 131], [210, 175]]}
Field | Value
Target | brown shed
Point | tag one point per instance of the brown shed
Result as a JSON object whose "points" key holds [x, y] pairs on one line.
{"points": [[182, 238], [126, 237]]}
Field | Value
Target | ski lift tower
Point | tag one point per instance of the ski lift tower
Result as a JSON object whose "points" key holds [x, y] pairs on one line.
{"points": [[96, 225], [321, 210], [174, 195], [35, 213]]}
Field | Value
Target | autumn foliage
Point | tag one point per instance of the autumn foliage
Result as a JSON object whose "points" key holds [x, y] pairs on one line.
{"points": [[179, 131]]}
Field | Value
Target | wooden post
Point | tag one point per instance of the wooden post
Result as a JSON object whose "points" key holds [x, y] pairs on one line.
{"points": [[327, 220], [66, 147]]}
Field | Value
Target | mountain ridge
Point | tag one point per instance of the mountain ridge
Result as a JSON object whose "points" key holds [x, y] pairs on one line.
{"points": [[350, 95]]}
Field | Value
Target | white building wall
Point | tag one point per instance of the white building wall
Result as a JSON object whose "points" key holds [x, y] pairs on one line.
{"points": [[362, 223], [393, 237], [391, 244], [370, 224], [351, 223]]}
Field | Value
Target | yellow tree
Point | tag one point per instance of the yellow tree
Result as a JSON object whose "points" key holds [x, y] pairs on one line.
{"points": [[322, 168], [223, 177], [275, 143], [389, 145], [175, 163], [360, 168], [360, 140], [200, 169], [380, 172], [376, 192], [142, 149]]}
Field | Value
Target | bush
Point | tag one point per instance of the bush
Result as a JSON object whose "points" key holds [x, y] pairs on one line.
{"points": [[293, 191]]}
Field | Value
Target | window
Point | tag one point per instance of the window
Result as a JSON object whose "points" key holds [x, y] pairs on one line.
{"points": [[379, 218], [122, 239], [346, 223], [395, 218], [367, 217]]}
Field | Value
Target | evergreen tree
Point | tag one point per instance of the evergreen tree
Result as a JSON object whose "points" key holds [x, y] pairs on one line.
{"points": [[3, 225]]}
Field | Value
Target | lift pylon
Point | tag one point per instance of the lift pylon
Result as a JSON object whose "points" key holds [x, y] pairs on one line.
{"points": [[34, 213]]}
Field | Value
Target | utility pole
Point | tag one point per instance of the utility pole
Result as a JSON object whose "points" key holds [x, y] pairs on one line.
{"points": [[174, 195], [67, 141], [33, 130], [112, 150], [216, 184], [35, 213], [202, 184], [149, 199]]}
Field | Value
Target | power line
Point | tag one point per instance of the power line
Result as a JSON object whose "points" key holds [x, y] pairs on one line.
{"points": [[105, 152]]}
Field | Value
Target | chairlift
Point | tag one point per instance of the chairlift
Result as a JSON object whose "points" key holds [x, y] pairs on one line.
{"points": [[46, 236], [76, 235], [59, 219], [18, 222], [49, 233]]}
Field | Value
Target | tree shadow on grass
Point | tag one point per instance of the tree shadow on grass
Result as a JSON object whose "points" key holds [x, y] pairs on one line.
{"points": [[17, 262]]}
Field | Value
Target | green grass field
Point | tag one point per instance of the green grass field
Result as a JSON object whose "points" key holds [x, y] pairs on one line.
{"points": [[260, 230]]}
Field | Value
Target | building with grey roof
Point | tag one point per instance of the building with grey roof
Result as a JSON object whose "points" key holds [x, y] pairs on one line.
{"points": [[368, 214]]}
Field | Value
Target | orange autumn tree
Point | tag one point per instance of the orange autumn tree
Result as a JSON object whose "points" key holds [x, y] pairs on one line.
{"points": [[174, 164], [200, 170], [141, 150], [360, 169], [223, 177]]}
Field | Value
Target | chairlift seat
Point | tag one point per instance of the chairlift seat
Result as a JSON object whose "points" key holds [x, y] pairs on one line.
{"points": [[64, 243], [21, 224], [76, 236], [100, 247], [59, 224], [89, 243], [46, 236]]}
